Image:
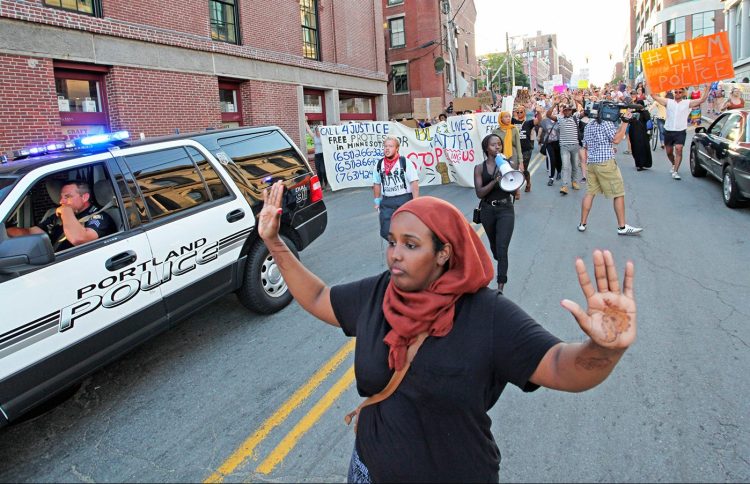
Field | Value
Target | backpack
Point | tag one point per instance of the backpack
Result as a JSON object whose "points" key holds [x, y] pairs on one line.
{"points": [[402, 161]]}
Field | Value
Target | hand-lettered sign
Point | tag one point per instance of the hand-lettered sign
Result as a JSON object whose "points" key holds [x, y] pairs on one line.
{"points": [[698, 61]]}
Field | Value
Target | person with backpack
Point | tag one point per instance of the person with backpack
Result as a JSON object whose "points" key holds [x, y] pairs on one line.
{"points": [[395, 182]]}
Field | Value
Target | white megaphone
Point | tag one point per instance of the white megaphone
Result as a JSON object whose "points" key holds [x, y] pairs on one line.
{"points": [[511, 180]]}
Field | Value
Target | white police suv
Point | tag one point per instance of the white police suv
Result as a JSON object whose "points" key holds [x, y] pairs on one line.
{"points": [[181, 212]]}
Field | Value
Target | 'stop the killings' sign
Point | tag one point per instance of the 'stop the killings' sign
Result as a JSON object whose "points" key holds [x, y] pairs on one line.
{"points": [[698, 61]]}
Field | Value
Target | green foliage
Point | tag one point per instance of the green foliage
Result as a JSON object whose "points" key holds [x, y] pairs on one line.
{"points": [[502, 81]]}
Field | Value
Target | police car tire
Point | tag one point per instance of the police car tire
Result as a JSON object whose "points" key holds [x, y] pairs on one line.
{"points": [[263, 290]]}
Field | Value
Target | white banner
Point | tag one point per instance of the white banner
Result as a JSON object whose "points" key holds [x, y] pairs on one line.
{"points": [[442, 153]]}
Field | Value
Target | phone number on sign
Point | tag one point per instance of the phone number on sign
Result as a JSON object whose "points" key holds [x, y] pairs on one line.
{"points": [[357, 154], [355, 164], [353, 176]]}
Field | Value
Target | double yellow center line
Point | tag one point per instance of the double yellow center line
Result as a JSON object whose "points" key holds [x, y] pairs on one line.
{"points": [[246, 450]]}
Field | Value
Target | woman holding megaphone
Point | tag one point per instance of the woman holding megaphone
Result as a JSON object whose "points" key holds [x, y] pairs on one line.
{"points": [[496, 205]]}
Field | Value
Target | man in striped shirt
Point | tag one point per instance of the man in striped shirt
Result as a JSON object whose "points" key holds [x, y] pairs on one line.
{"points": [[603, 173], [568, 124]]}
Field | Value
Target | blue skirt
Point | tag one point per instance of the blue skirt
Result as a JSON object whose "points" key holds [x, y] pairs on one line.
{"points": [[358, 472]]}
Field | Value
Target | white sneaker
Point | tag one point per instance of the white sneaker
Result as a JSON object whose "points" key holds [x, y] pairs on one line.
{"points": [[581, 227], [676, 176], [628, 230]]}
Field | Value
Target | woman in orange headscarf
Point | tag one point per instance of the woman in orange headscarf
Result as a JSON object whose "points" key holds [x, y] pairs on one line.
{"points": [[508, 133], [435, 347]]}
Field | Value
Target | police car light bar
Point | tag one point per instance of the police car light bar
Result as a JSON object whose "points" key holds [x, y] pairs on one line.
{"points": [[85, 142], [98, 139]]}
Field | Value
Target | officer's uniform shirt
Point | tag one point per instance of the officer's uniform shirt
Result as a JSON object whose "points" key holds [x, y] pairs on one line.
{"points": [[101, 223]]}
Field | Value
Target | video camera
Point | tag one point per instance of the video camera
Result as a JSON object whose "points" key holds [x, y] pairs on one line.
{"points": [[610, 111]]}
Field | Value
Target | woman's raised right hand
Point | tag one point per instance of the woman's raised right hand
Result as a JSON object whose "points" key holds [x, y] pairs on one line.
{"points": [[269, 219]]}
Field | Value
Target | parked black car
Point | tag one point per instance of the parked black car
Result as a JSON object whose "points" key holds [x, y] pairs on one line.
{"points": [[723, 150]]}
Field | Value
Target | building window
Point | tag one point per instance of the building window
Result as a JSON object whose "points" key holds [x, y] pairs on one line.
{"points": [[223, 15], [354, 107], [394, 2], [310, 38], [449, 75], [676, 30], [230, 104], [703, 24], [81, 99], [466, 51], [88, 7], [400, 78], [398, 36]]}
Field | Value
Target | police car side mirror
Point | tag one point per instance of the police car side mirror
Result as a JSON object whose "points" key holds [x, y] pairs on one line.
{"points": [[26, 250], [700, 129]]}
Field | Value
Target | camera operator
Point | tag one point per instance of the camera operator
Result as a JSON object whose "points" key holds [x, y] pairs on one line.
{"points": [[603, 173], [675, 127]]}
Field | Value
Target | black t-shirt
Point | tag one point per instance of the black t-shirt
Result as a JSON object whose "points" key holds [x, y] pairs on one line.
{"points": [[435, 426], [101, 223], [524, 132]]}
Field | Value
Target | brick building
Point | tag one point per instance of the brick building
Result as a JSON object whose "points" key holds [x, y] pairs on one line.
{"points": [[73, 67], [430, 51]]}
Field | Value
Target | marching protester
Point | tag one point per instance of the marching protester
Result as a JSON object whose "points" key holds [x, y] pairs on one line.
{"points": [[435, 347], [734, 101], [675, 126], [395, 182], [550, 145], [568, 141], [511, 143], [496, 206], [320, 166], [604, 175], [526, 126], [639, 141], [658, 114]]}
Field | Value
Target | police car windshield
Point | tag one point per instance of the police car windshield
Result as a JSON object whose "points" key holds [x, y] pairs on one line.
{"points": [[6, 185]]}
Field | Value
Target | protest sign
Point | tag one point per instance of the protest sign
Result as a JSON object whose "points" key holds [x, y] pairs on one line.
{"points": [[698, 61], [548, 87], [412, 123], [427, 107], [557, 79], [560, 88], [523, 97], [583, 84], [464, 103], [485, 98], [351, 151]]}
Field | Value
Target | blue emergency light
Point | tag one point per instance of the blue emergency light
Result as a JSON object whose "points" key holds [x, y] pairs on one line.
{"points": [[85, 142]]}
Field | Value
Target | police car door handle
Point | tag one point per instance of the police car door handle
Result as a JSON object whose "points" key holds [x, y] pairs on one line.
{"points": [[120, 260], [235, 215]]}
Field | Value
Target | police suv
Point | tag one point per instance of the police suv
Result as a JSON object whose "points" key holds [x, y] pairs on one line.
{"points": [[182, 214]]}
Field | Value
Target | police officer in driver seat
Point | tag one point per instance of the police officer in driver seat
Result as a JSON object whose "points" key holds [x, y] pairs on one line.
{"points": [[76, 221]]}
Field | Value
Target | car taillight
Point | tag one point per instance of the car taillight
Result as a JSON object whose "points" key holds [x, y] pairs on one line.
{"points": [[316, 193]]}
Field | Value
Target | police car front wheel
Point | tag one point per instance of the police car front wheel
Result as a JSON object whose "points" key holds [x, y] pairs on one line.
{"points": [[263, 289]]}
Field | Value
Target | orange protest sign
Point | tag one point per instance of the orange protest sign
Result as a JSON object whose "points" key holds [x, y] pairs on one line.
{"points": [[697, 61]]}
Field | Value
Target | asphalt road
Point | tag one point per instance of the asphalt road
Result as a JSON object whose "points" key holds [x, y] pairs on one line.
{"points": [[231, 395]]}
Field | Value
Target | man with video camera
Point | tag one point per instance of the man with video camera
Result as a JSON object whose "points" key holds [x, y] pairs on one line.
{"points": [[599, 138]]}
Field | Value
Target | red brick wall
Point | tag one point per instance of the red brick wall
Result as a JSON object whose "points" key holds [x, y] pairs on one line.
{"points": [[265, 103], [29, 102], [156, 102], [187, 26], [189, 16]]}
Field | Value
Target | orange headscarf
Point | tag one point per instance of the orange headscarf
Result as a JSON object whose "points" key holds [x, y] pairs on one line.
{"points": [[507, 134], [469, 270]]}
